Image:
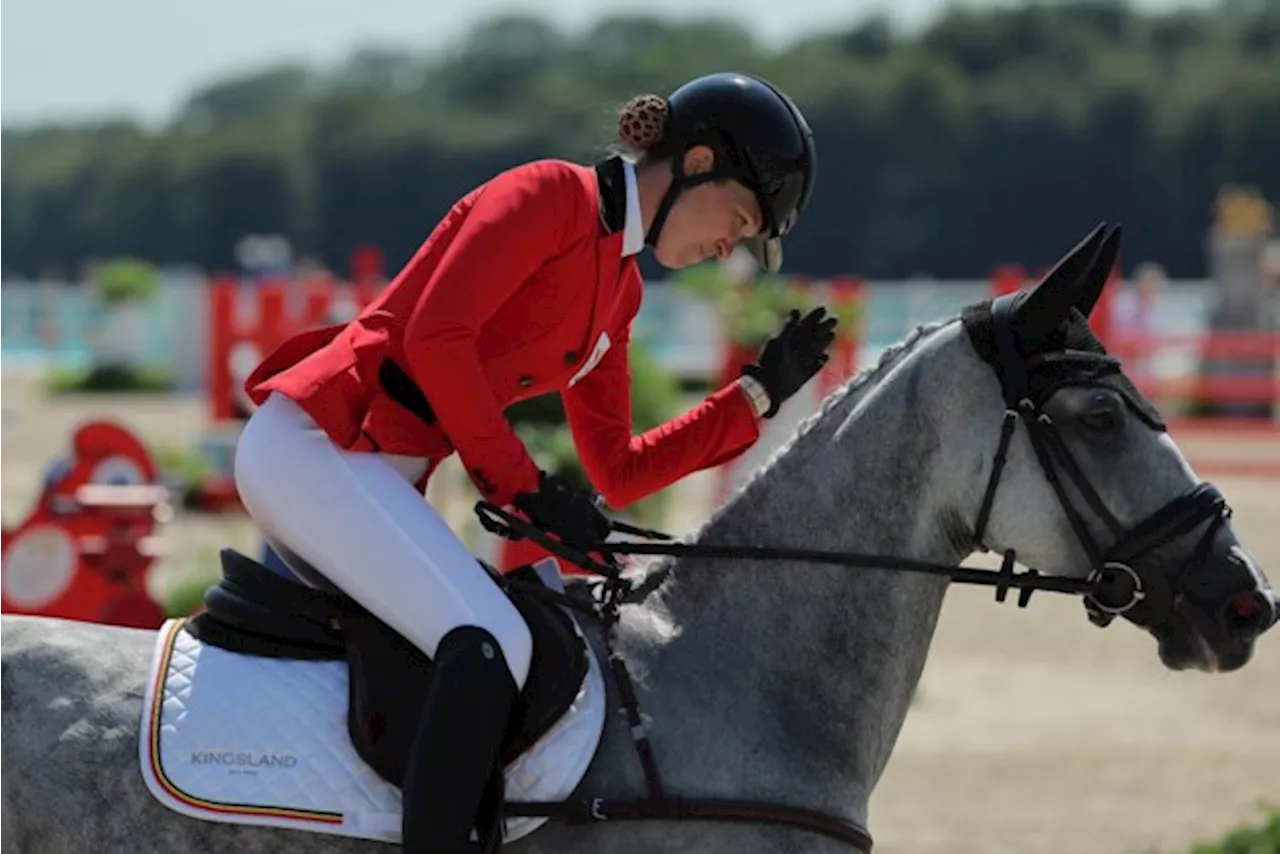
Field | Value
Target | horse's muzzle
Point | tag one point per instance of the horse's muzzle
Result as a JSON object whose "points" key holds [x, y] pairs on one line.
{"points": [[1248, 615]]}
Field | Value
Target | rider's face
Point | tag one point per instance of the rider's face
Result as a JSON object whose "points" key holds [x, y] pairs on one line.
{"points": [[708, 220]]}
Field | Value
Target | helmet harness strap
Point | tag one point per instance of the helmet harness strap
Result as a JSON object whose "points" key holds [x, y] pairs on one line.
{"points": [[680, 180]]}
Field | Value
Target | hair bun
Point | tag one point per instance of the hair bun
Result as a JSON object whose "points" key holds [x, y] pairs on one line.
{"points": [[642, 121]]}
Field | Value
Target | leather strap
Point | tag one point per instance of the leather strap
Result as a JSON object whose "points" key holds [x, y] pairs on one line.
{"points": [[709, 809]]}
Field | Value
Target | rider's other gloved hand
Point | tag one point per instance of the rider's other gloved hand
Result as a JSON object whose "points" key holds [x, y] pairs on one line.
{"points": [[793, 355], [562, 509]]}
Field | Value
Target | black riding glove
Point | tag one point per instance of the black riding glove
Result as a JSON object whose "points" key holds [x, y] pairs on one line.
{"points": [[793, 355], [562, 509]]}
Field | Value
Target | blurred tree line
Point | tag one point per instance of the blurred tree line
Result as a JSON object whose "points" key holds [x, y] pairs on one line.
{"points": [[992, 135]]}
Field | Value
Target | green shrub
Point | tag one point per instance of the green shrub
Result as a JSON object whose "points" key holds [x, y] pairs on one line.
{"points": [[753, 311], [185, 471], [110, 377], [185, 593], [184, 465], [185, 596], [1263, 838], [124, 279]]}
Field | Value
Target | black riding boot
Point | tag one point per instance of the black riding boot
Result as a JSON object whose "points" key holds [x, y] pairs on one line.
{"points": [[454, 755]]}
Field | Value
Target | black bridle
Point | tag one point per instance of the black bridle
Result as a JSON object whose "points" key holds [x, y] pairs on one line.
{"points": [[1117, 583]]}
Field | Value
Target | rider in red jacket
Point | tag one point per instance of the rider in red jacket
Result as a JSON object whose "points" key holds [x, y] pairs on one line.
{"points": [[528, 286]]}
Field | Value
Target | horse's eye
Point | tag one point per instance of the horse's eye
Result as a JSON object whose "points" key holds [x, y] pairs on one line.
{"points": [[1104, 415]]}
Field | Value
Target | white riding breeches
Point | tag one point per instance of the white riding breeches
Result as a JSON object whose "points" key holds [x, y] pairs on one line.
{"points": [[358, 520]]}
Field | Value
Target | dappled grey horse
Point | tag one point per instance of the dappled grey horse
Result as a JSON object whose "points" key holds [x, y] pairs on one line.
{"points": [[772, 668]]}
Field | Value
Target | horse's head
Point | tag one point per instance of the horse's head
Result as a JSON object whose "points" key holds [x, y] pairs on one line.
{"points": [[1092, 485]]}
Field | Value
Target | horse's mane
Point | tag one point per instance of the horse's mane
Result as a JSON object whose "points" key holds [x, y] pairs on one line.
{"points": [[843, 400], [840, 401]]}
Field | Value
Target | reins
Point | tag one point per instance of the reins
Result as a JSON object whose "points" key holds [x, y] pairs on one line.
{"points": [[505, 524]]}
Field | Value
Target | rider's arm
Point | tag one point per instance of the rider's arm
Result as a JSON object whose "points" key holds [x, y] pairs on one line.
{"points": [[517, 222], [625, 467]]}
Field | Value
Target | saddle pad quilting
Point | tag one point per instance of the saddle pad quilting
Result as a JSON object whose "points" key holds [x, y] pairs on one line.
{"points": [[242, 739]]}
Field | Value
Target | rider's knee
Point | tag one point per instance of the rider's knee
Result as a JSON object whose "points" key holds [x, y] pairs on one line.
{"points": [[510, 648]]}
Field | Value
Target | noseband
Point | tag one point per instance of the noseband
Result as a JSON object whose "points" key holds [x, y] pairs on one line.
{"points": [[1120, 583]]}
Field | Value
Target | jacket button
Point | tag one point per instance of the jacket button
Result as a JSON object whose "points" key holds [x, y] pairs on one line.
{"points": [[526, 381], [571, 357]]}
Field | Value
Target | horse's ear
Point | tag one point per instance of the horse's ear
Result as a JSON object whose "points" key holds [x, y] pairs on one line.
{"points": [[1053, 298], [1099, 273]]}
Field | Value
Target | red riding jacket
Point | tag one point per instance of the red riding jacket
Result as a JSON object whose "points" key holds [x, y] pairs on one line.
{"points": [[521, 290]]}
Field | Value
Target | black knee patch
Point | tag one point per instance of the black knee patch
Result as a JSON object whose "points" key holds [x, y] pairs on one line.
{"points": [[474, 648]]}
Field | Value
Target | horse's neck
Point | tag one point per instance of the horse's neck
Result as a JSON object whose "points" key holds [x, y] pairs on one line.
{"points": [[783, 681]]}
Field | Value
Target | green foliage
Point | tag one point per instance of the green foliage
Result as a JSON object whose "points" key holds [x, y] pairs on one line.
{"points": [[110, 378], [655, 395], [1262, 838], [185, 471], [185, 596], [756, 312], [185, 592], [248, 98], [752, 311], [126, 279], [991, 136]]}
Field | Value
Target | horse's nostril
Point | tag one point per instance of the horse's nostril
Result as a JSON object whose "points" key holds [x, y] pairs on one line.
{"points": [[1250, 614]]}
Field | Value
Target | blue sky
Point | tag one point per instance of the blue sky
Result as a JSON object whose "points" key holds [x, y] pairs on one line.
{"points": [[66, 59]]}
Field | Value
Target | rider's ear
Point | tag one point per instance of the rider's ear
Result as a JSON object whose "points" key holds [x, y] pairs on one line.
{"points": [[1053, 298], [699, 159], [1095, 279]]}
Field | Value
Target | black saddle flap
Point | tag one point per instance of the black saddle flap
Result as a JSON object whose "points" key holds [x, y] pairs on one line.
{"points": [[390, 676], [556, 672]]}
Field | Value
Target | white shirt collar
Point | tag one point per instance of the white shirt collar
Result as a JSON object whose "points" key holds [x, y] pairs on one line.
{"points": [[633, 231]]}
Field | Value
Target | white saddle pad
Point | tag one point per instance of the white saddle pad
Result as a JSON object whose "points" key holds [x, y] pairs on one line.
{"points": [[236, 738]]}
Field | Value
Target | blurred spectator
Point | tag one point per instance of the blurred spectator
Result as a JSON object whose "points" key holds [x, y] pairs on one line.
{"points": [[1133, 316]]}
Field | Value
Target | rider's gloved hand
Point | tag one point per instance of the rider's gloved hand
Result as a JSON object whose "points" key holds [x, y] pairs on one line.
{"points": [[793, 355], [562, 509]]}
